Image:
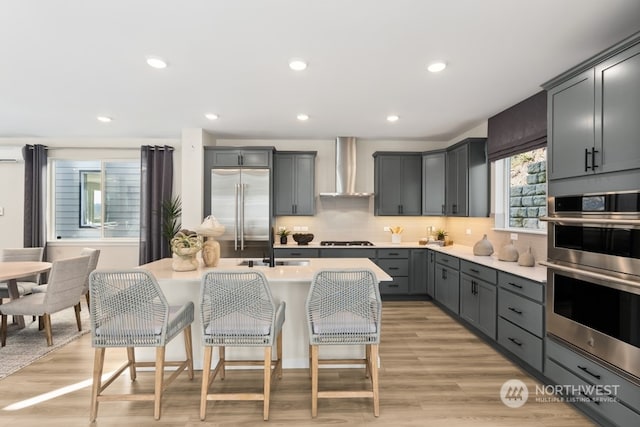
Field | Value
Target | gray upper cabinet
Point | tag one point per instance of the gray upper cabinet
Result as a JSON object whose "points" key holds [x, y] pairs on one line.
{"points": [[593, 115], [294, 183], [247, 158], [467, 179], [433, 188], [398, 183]]}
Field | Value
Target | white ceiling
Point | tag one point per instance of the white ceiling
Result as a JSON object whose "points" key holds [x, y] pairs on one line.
{"points": [[63, 62]]}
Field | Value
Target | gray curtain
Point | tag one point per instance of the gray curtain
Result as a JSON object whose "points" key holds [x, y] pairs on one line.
{"points": [[156, 185], [35, 196]]}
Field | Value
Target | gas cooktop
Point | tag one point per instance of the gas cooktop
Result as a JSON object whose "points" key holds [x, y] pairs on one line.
{"points": [[345, 243]]}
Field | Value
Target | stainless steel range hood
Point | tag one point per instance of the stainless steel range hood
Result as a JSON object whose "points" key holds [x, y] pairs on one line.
{"points": [[346, 169]]}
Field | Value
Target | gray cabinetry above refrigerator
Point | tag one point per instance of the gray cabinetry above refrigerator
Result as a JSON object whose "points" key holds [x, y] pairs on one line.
{"points": [[227, 157]]}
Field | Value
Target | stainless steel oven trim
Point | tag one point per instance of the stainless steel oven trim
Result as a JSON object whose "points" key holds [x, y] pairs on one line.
{"points": [[609, 349], [586, 220]]}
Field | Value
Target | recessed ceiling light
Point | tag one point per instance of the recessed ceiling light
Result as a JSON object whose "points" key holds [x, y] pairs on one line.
{"points": [[436, 67], [302, 117], [104, 119], [156, 62], [297, 64], [393, 118], [211, 116]]}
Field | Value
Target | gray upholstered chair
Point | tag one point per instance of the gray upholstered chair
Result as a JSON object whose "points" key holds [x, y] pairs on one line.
{"points": [[344, 308], [26, 284], [93, 255], [128, 309], [66, 281], [238, 310]]}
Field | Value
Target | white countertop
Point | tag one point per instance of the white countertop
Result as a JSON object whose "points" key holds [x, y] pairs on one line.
{"points": [[162, 270], [537, 273]]}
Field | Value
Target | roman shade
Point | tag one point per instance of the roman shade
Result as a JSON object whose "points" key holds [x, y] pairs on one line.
{"points": [[517, 129]]}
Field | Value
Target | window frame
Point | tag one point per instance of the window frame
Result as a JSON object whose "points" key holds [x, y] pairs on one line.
{"points": [[502, 192]]}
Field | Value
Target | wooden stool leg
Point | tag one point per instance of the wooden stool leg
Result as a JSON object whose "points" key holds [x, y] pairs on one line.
{"points": [[206, 372], [221, 361], [98, 363], [314, 381], [159, 382], [279, 355], [76, 308], [3, 330], [188, 347], [310, 362], [47, 329], [367, 366], [267, 381], [131, 357], [374, 379]]}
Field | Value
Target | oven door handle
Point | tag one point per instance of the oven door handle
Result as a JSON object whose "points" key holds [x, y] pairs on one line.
{"points": [[590, 274], [606, 221]]}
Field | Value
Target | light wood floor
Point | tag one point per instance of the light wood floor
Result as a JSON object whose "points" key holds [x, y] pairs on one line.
{"points": [[433, 373]]}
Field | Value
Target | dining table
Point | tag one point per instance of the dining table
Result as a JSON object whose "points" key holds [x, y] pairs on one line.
{"points": [[11, 271]]}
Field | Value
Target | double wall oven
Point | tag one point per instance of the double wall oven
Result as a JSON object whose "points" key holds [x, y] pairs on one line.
{"points": [[593, 283]]}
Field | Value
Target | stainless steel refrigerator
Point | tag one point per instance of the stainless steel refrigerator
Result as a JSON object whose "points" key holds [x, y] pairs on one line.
{"points": [[240, 201]]}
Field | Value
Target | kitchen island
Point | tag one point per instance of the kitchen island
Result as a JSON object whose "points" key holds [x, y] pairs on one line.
{"points": [[289, 283]]}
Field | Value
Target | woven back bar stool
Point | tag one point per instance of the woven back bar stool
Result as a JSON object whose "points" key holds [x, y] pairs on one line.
{"points": [[128, 309], [238, 311], [344, 308]]}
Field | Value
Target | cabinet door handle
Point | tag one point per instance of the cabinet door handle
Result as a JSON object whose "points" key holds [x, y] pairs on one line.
{"points": [[475, 270], [443, 209], [394, 268], [444, 273], [393, 254], [240, 159], [515, 285], [593, 159], [295, 254], [586, 159], [474, 287], [444, 260], [515, 341], [515, 310], [585, 369], [455, 208], [394, 286]]}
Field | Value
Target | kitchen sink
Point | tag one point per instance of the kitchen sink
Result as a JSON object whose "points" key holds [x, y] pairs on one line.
{"points": [[261, 263]]}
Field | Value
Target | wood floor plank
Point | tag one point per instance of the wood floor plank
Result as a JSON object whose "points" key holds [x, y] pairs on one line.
{"points": [[433, 372]]}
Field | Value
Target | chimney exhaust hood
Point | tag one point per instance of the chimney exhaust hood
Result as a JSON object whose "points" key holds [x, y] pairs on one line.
{"points": [[346, 169]]}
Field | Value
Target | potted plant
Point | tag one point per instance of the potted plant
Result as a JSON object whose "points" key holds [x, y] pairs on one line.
{"points": [[185, 245], [441, 234], [283, 233]]}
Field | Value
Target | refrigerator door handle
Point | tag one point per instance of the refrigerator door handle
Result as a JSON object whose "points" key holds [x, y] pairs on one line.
{"points": [[242, 186], [235, 224]]}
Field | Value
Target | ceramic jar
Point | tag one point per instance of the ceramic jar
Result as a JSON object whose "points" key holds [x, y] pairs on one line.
{"points": [[508, 253], [526, 258], [483, 247]]}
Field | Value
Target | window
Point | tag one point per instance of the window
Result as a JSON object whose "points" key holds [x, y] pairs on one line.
{"points": [[95, 199], [521, 191]]}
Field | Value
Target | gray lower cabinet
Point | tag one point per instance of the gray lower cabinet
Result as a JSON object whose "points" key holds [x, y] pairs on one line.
{"points": [[478, 297], [431, 273], [433, 188], [521, 318], [395, 262], [294, 183], [467, 179], [398, 183], [296, 253], [606, 395], [348, 253], [447, 290], [418, 272]]}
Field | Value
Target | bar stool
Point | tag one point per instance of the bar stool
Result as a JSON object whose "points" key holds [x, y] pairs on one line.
{"points": [[238, 311], [344, 308]]}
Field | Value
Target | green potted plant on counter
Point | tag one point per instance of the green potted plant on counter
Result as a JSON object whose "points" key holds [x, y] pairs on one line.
{"points": [[283, 233]]}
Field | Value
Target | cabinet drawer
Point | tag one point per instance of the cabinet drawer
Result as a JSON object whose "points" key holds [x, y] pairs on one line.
{"points": [[400, 285], [393, 253], [487, 274], [348, 253], [612, 410], [394, 267], [296, 253], [590, 371], [521, 311], [449, 260], [523, 344], [522, 286]]}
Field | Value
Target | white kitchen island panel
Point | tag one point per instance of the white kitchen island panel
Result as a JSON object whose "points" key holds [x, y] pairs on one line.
{"points": [[288, 283]]}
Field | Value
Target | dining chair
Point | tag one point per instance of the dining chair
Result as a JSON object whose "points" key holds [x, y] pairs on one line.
{"points": [[66, 281], [128, 309], [25, 284], [93, 255], [237, 310], [343, 307]]}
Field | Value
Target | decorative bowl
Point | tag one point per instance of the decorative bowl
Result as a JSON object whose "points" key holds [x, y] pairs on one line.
{"points": [[302, 238]]}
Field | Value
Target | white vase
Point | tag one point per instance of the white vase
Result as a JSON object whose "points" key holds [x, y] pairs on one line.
{"points": [[211, 252], [396, 238], [184, 259], [508, 253], [483, 247], [526, 258]]}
